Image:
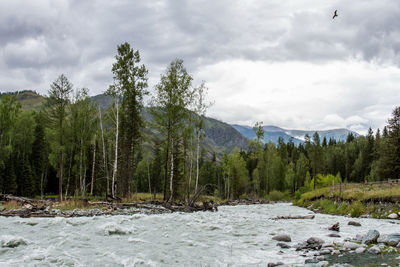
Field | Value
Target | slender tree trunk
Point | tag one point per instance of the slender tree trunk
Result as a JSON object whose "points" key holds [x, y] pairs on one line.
{"points": [[171, 182], [60, 178], [148, 176], [82, 186], [104, 154], [197, 161], [166, 166], [114, 178], [93, 163], [41, 185], [69, 174], [191, 165]]}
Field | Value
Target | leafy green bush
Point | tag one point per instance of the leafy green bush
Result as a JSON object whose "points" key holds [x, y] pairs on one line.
{"points": [[356, 209], [276, 195]]}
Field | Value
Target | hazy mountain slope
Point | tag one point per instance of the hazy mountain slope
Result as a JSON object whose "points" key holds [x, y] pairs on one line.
{"points": [[221, 137], [272, 133]]}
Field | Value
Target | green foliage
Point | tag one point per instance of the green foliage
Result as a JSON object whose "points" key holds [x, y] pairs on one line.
{"points": [[276, 196]]}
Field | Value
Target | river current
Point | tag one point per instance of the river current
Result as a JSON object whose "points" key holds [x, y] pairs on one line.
{"points": [[233, 236]]}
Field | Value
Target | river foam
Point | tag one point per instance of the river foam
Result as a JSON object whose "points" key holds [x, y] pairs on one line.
{"points": [[233, 236]]}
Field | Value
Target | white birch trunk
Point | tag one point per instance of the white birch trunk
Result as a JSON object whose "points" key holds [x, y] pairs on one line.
{"points": [[93, 163], [104, 153], [114, 177]]}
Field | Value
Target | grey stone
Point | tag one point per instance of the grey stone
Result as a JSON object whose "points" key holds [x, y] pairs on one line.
{"points": [[360, 250], [315, 240], [393, 216], [354, 223], [324, 252], [282, 238], [320, 258], [370, 237], [334, 235], [311, 261], [358, 238], [391, 240], [351, 245], [272, 264], [323, 263], [335, 252], [283, 245], [374, 250]]}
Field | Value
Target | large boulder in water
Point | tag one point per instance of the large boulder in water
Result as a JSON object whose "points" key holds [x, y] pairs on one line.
{"points": [[282, 238], [391, 240], [370, 237]]}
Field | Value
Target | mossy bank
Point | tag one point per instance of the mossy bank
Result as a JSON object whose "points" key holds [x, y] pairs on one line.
{"points": [[355, 200]]}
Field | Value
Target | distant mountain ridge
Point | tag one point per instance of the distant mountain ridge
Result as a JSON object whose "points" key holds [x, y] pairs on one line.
{"points": [[273, 133], [220, 137]]}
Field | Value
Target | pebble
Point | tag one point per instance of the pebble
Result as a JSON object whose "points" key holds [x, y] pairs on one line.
{"points": [[393, 216], [360, 250], [374, 250], [351, 245]]}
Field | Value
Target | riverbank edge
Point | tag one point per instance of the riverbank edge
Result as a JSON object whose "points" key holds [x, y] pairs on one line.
{"points": [[11, 206]]}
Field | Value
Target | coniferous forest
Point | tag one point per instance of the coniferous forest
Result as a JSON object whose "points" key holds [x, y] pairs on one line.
{"points": [[72, 148]]}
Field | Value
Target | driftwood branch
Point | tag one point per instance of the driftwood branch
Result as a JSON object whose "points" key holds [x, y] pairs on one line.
{"points": [[295, 217]]}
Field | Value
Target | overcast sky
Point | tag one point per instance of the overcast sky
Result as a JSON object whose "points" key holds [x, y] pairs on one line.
{"points": [[286, 63]]}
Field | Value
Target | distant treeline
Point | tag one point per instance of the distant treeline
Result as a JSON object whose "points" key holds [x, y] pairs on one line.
{"points": [[72, 148]]}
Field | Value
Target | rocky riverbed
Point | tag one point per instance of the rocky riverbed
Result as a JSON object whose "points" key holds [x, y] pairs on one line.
{"points": [[243, 235]]}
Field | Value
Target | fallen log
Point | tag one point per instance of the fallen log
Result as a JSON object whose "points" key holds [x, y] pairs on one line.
{"points": [[312, 216]]}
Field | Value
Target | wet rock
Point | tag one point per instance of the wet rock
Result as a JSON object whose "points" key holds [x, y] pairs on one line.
{"points": [[360, 250], [335, 252], [374, 250], [370, 237], [12, 241], [335, 227], [351, 245], [283, 245], [315, 240], [358, 238], [393, 216], [324, 252], [354, 223], [323, 263], [391, 240], [327, 245], [272, 264], [334, 235], [307, 261], [320, 258], [282, 238]]}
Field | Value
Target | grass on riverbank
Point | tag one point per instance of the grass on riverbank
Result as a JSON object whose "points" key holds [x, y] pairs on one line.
{"points": [[377, 200]]}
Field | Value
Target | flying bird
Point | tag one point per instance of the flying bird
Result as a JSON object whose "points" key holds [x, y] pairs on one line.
{"points": [[335, 14]]}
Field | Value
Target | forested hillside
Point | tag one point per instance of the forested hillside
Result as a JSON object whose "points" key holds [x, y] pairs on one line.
{"points": [[73, 145]]}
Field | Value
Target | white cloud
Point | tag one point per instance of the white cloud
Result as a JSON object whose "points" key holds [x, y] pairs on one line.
{"points": [[303, 95], [283, 62]]}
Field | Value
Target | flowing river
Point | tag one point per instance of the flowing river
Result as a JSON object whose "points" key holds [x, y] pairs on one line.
{"points": [[234, 236]]}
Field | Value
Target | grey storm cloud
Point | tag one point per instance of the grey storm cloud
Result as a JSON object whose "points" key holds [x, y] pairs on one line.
{"points": [[43, 38]]}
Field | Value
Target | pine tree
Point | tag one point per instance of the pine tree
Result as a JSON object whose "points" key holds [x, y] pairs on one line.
{"points": [[57, 104]]}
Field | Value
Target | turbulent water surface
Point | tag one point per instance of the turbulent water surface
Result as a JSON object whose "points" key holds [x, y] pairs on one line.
{"points": [[238, 236]]}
